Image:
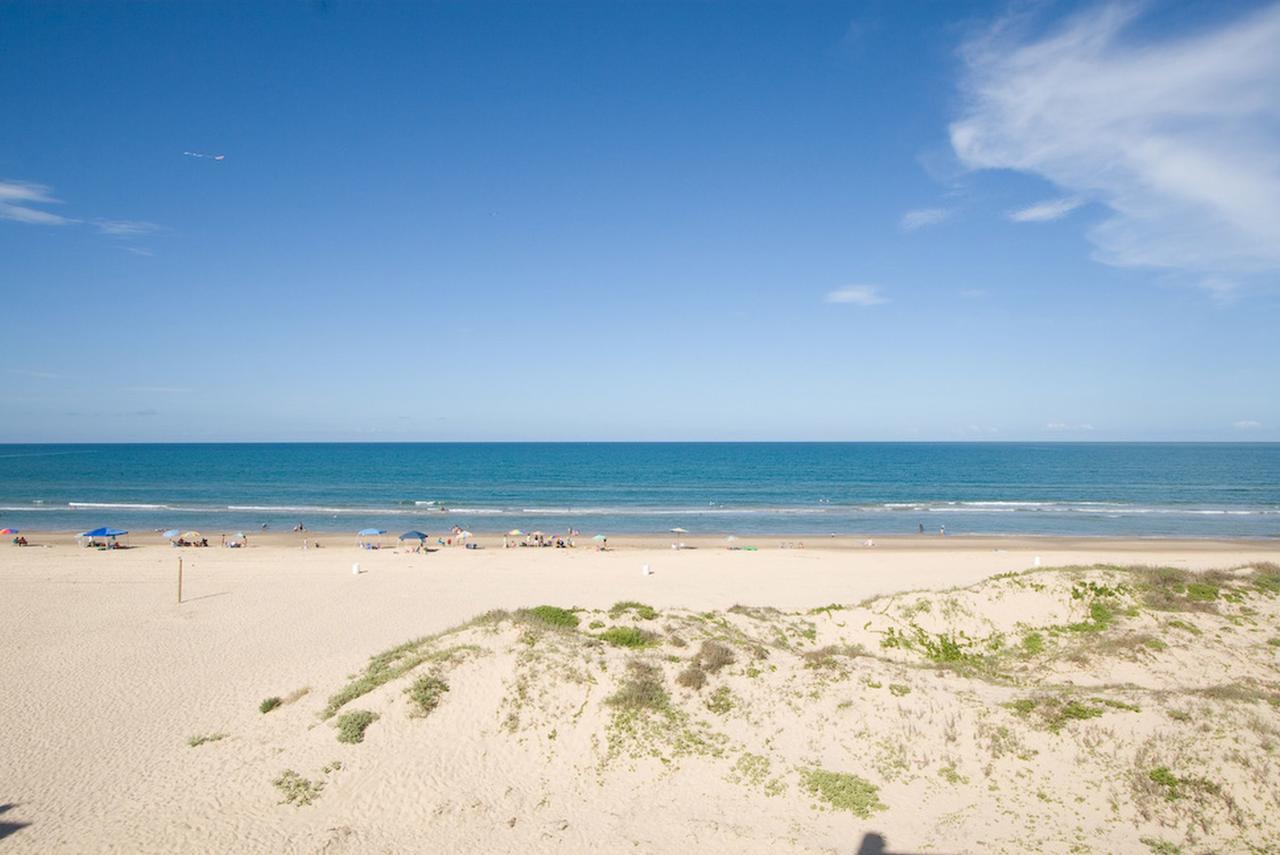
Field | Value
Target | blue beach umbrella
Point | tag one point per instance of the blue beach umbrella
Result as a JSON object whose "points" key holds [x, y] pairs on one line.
{"points": [[170, 534], [370, 532], [414, 535], [105, 532]]}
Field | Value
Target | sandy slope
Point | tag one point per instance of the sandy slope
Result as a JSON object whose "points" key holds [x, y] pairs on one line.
{"points": [[106, 678]]}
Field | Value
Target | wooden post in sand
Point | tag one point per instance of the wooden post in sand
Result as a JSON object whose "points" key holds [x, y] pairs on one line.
{"points": [[179, 579]]}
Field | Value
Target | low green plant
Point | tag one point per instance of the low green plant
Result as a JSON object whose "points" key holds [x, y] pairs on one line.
{"points": [[1162, 776], [640, 610], [721, 701], [628, 636], [1101, 616], [943, 648], [898, 689], [1033, 643], [1200, 592], [297, 790], [843, 791], [426, 693], [1054, 713], [200, 739], [352, 725], [269, 704], [553, 617]]}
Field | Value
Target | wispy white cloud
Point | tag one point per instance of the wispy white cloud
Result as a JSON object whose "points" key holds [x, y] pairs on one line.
{"points": [[1178, 138], [21, 202], [125, 228], [1043, 212], [158, 390], [1247, 424], [922, 217], [17, 199], [24, 372], [857, 295]]}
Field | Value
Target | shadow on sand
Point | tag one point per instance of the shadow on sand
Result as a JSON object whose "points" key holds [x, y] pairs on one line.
{"points": [[874, 844], [7, 828]]}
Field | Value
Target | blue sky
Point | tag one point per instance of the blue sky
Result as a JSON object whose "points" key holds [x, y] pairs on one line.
{"points": [[829, 221]]}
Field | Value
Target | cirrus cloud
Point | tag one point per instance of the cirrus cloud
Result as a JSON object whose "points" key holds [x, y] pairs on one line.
{"points": [[857, 295], [17, 199], [922, 217], [1177, 138], [1043, 212]]}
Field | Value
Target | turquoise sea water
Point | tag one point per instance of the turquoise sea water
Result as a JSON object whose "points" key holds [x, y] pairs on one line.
{"points": [[1157, 489]]}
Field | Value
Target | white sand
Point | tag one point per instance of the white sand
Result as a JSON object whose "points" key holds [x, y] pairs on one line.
{"points": [[105, 678]]}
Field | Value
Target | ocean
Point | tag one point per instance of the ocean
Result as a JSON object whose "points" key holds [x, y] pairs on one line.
{"points": [[1103, 489]]}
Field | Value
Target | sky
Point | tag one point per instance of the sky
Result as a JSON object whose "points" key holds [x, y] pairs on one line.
{"points": [[639, 221]]}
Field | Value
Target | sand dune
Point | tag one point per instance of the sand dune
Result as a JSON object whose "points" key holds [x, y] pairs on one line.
{"points": [[1063, 710]]}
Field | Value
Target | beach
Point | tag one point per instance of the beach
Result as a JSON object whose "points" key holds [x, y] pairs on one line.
{"points": [[108, 678]]}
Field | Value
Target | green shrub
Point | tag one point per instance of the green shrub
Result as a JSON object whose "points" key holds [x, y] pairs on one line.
{"points": [[426, 692], [269, 704], [549, 616], [843, 792], [898, 689], [297, 790], [721, 701], [1032, 643], [200, 739], [628, 636], [640, 610], [352, 725], [1199, 592]]}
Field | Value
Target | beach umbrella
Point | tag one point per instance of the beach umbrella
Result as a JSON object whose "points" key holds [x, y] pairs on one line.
{"points": [[678, 530], [414, 535], [731, 538], [8, 531], [191, 535], [104, 532], [463, 535], [515, 532], [170, 534], [370, 532], [599, 537]]}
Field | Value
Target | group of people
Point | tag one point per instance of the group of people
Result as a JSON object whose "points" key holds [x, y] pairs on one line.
{"points": [[538, 539], [20, 541]]}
